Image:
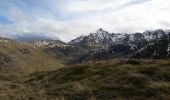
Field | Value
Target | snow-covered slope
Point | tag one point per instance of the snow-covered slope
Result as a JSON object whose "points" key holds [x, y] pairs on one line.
{"points": [[48, 43], [99, 39], [103, 42]]}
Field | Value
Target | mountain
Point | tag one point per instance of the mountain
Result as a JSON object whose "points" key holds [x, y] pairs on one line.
{"points": [[157, 46], [105, 45], [102, 45], [99, 39]]}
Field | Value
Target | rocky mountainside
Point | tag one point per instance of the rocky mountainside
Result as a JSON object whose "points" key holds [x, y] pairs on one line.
{"points": [[100, 39], [105, 45], [103, 38]]}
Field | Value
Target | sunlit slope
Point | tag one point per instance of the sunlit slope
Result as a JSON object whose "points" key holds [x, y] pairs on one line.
{"points": [[22, 58]]}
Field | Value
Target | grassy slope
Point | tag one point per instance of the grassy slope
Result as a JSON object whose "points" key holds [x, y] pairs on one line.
{"points": [[106, 80], [20, 58]]}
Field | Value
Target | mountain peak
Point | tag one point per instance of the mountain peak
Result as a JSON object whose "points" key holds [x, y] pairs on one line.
{"points": [[100, 30], [100, 34]]}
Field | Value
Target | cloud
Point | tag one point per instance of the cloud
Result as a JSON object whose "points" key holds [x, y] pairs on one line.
{"points": [[67, 19], [133, 2], [89, 5], [30, 37]]}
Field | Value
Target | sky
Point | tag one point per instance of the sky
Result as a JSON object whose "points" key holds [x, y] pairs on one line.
{"points": [[68, 19]]}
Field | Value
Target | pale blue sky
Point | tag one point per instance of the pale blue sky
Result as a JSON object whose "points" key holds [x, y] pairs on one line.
{"points": [[67, 19]]}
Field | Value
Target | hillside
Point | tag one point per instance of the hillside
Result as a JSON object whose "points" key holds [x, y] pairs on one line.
{"points": [[104, 80], [64, 52], [19, 58]]}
